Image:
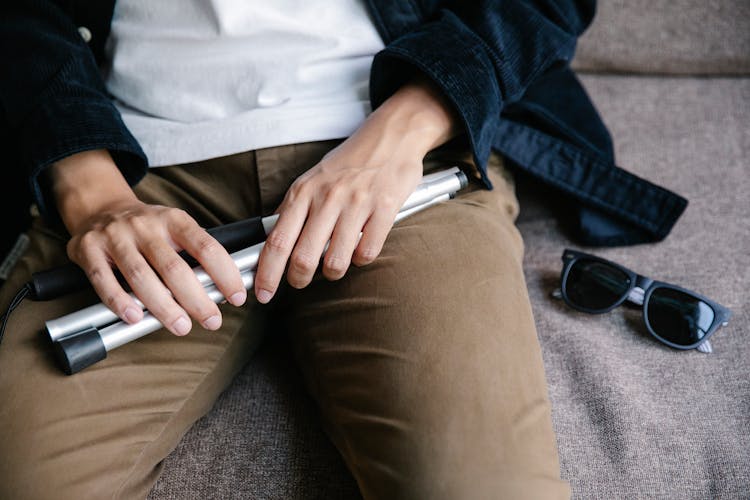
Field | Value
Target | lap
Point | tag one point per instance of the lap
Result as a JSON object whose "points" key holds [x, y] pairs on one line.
{"points": [[425, 364]]}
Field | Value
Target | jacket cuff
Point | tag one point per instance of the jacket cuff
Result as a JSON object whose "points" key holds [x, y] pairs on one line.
{"points": [[467, 78], [64, 125]]}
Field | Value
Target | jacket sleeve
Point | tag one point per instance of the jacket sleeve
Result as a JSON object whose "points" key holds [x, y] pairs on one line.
{"points": [[483, 54], [54, 98]]}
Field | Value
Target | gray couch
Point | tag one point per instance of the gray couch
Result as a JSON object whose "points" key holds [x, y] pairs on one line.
{"points": [[633, 419]]}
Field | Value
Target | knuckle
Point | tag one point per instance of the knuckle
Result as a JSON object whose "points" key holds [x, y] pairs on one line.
{"points": [[112, 231], [207, 247], [180, 218], [279, 242], [303, 261], [120, 246], [178, 215], [388, 203], [139, 223], [366, 255], [335, 265], [76, 253], [298, 190], [134, 273], [172, 266], [95, 275], [335, 193], [86, 240], [296, 281], [359, 196]]}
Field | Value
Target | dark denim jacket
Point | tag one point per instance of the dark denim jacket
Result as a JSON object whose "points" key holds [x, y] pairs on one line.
{"points": [[503, 64]]}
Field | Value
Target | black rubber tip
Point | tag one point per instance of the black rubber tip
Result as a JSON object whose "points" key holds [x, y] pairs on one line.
{"points": [[79, 350]]}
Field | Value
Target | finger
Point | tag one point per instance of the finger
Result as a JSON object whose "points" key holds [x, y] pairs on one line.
{"points": [[344, 240], [102, 278], [374, 234], [146, 286], [212, 256], [181, 279], [312, 241], [277, 249]]}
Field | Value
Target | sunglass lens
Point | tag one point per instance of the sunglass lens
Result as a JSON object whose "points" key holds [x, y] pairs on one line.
{"points": [[595, 285], [678, 317]]}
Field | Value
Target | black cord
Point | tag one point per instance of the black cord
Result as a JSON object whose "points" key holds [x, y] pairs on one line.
{"points": [[22, 293]]}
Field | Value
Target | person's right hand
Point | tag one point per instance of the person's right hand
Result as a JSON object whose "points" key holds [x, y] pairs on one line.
{"points": [[110, 227]]}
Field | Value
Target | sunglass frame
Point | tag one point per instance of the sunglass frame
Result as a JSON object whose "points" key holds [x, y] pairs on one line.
{"points": [[648, 285]]}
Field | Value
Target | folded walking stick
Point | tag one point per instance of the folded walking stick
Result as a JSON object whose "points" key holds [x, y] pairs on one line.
{"points": [[84, 337]]}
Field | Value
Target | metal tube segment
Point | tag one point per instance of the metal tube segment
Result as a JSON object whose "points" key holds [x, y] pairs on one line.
{"points": [[439, 174], [432, 189], [121, 333], [75, 354], [438, 188]]}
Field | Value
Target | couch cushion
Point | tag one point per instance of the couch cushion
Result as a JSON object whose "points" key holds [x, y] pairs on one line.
{"points": [[667, 37], [633, 419]]}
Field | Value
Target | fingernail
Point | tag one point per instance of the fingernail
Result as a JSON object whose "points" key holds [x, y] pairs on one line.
{"points": [[181, 326], [212, 323], [264, 296], [238, 298], [131, 315]]}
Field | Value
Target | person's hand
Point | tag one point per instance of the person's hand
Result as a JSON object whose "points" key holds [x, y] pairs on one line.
{"points": [[358, 187], [110, 227]]}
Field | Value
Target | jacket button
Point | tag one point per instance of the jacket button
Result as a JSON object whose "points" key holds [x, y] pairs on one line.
{"points": [[85, 33]]}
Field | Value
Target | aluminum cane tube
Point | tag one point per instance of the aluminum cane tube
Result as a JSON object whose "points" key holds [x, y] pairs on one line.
{"points": [[439, 174], [406, 213], [121, 333], [434, 188], [52, 283], [65, 279], [83, 348], [98, 315]]}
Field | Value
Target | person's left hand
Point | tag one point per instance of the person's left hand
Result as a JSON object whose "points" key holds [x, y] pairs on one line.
{"points": [[358, 187]]}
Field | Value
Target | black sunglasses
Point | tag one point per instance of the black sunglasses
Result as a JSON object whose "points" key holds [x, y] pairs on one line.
{"points": [[675, 316]]}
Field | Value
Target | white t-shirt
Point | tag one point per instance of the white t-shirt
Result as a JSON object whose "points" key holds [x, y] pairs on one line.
{"points": [[199, 79]]}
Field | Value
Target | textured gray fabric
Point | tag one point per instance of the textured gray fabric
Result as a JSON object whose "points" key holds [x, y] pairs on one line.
{"points": [[633, 419], [262, 440], [668, 37]]}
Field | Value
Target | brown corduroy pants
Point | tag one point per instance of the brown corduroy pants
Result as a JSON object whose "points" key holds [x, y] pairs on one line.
{"points": [[425, 365]]}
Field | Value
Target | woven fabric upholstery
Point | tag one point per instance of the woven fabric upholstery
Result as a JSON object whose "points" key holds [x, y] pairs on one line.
{"points": [[686, 37]]}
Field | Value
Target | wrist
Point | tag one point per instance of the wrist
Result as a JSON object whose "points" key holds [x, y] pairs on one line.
{"points": [[85, 184], [419, 114]]}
